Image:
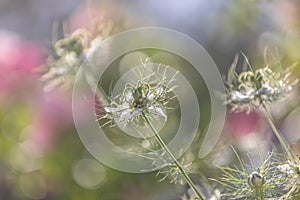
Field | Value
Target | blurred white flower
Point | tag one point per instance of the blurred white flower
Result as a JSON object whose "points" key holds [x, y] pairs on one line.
{"points": [[292, 169], [253, 88]]}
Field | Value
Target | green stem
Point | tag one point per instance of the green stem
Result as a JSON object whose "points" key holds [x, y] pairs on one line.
{"points": [[291, 192], [163, 145], [261, 195], [278, 134]]}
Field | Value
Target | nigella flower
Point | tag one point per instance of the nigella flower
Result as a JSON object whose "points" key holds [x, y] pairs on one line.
{"points": [[68, 54], [292, 169], [252, 182], [291, 172], [252, 88], [138, 100]]}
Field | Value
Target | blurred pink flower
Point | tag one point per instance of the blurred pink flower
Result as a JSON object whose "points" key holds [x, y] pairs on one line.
{"points": [[287, 14], [240, 123], [90, 17], [19, 60], [52, 116], [20, 73]]}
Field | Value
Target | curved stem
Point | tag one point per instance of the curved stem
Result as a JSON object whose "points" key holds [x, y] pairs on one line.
{"points": [[181, 169], [277, 132]]}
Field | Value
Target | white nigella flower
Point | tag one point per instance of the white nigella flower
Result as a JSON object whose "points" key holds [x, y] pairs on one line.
{"points": [[243, 95], [62, 66], [292, 169], [252, 88], [138, 100]]}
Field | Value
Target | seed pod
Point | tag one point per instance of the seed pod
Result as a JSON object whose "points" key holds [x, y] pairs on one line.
{"points": [[255, 180]]}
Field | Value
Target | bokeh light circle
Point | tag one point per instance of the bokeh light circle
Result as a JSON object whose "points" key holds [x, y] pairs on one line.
{"points": [[89, 173], [33, 185]]}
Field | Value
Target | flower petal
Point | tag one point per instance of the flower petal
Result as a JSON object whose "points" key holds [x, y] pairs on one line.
{"points": [[116, 109], [130, 114], [128, 95], [157, 111], [286, 168]]}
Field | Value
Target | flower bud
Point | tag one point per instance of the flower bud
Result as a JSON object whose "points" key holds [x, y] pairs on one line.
{"points": [[255, 180]]}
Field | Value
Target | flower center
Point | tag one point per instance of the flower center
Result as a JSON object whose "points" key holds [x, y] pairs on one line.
{"points": [[140, 103]]}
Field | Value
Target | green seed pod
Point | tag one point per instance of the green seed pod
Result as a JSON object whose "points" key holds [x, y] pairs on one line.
{"points": [[255, 180]]}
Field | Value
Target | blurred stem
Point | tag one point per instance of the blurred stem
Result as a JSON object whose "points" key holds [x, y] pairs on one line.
{"points": [[277, 132], [292, 192], [180, 167], [261, 196]]}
